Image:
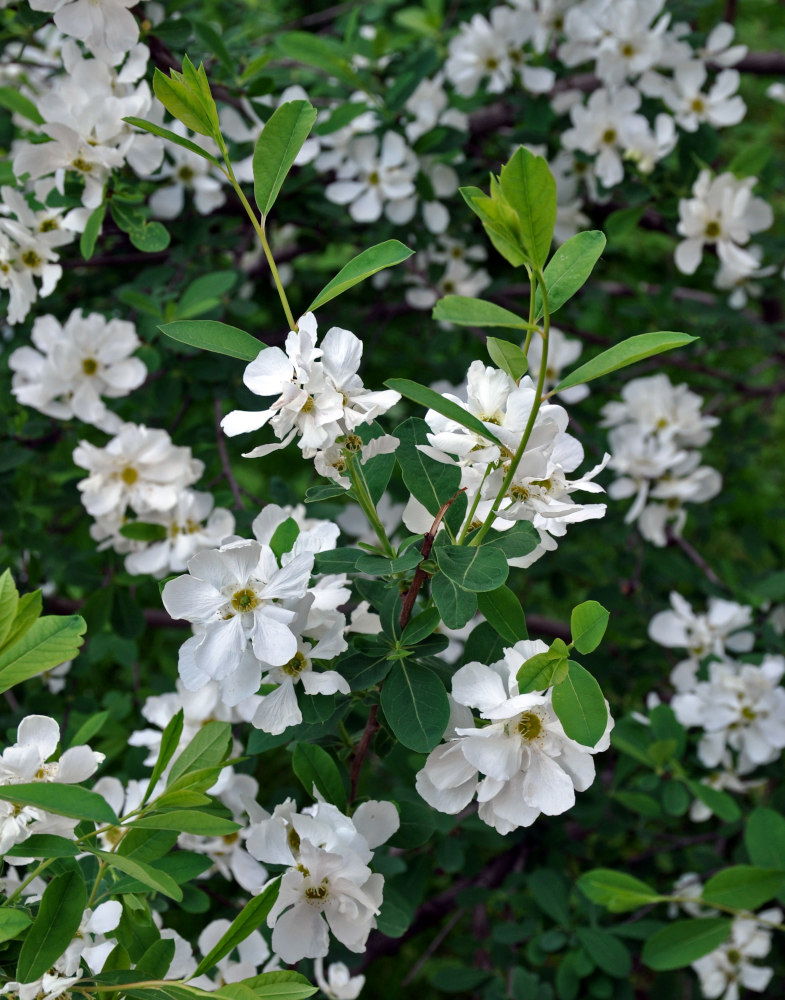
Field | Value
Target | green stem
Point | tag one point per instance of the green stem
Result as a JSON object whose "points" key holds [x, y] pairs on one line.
{"points": [[470, 513], [16, 894], [363, 496], [260, 232], [516, 460], [101, 869]]}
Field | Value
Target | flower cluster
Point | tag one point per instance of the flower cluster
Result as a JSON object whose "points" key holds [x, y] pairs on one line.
{"points": [[327, 886], [655, 433], [72, 366], [539, 491], [529, 765]]}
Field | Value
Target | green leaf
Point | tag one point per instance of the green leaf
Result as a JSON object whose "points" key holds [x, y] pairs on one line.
{"points": [[385, 566], [568, 269], [170, 740], [183, 96], [209, 748], [685, 941], [13, 100], [474, 568], [205, 293], [196, 79], [284, 537], [44, 845], [153, 878], [587, 625], [500, 223], [764, 838], [152, 237], [155, 961], [720, 803], [374, 259], [430, 482], [420, 627], [503, 611], [743, 887], [252, 915], [316, 493], [541, 671], [209, 335], [580, 706], [315, 769], [465, 311], [435, 401], [456, 605], [12, 923], [277, 148], [528, 186], [48, 642], [515, 542], [628, 352], [28, 611], [322, 53], [509, 357], [415, 705], [64, 800], [280, 985], [178, 140], [62, 907], [616, 891], [92, 231], [143, 531], [188, 821], [607, 952], [9, 605]]}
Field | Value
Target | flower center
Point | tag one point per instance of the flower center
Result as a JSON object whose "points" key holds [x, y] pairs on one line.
{"points": [[89, 366], [307, 405], [712, 230], [697, 105], [295, 666], [48, 225], [627, 50], [293, 839], [244, 600], [185, 174], [734, 956], [609, 136], [129, 475], [353, 443], [315, 894], [529, 726], [31, 258], [84, 166]]}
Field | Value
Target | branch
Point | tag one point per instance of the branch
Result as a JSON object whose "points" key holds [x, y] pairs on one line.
{"points": [[362, 749], [223, 454]]}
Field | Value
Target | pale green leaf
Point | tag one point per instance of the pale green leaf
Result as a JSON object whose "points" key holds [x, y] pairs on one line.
{"points": [[48, 642], [374, 259], [587, 625], [529, 188], [173, 137], [628, 352], [210, 335], [435, 401], [684, 942], [568, 269], [277, 148], [580, 706], [616, 891], [465, 311]]}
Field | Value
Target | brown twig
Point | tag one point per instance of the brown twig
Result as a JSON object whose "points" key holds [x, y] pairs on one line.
{"points": [[421, 575], [223, 454], [694, 556], [363, 746], [433, 946]]}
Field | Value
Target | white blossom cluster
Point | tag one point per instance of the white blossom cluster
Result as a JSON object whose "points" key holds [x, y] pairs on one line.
{"points": [[739, 706], [141, 472], [258, 620], [540, 491], [723, 213], [528, 764], [29, 760], [327, 886], [655, 432], [460, 274], [321, 399], [72, 366]]}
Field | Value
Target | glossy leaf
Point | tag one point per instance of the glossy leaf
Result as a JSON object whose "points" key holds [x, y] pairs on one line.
{"points": [[277, 148], [44, 845], [170, 741], [280, 985], [743, 887], [528, 186], [12, 923], [474, 568], [430, 482], [616, 891], [194, 821], [153, 878], [178, 140], [456, 605], [143, 531], [374, 259], [503, 611], [587, 625], [48, 642], [318, 774], [764, 838], [209, 748], [465, 311], [568, 269], [182, 102], [628, 352], [580, 706], [541, 671], [499, 222], [420, 627], [56, 923], [509, 357], [12, 99], [64, 800], [9, 604], [415, 705], [252, 915], [209, 335], [27, 613], [435, 401], [685, 941], [92, 231]]}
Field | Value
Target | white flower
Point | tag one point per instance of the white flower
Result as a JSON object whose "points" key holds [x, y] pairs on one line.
{"points": [[722, 211], [723, 971], [252, 953], [339, 983], [100, 24], [188, 172], [720, 107], [320, 395], [374, 177], [234, 594], [530, 765], [140, 468], [563, 352], [73, 366], [607, 125]]}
